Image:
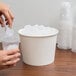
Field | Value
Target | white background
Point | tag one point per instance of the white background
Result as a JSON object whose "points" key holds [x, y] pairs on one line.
{"points": [[35, 12]]}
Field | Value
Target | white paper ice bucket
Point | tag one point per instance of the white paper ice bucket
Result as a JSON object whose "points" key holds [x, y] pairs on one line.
{"points": [[38, 50]]}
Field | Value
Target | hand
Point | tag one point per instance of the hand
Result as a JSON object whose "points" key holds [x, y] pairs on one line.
{"points": [[9, 58], [8, 16]]}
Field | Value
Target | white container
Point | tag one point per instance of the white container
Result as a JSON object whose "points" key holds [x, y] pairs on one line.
{"points": [[65, 27], [38, 50], [74, 39]]}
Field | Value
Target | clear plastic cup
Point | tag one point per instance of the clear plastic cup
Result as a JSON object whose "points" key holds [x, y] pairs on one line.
{"points": [[9, 40], [10, 45]]}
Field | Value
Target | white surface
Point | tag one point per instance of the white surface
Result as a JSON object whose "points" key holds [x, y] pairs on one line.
{"points": [[35, 12]]}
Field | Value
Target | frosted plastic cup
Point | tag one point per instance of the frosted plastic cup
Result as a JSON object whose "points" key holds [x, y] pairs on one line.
{"points": [[38, 50]]}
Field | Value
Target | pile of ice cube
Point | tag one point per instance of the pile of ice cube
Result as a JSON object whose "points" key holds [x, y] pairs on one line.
{"points": [[37, 30]]}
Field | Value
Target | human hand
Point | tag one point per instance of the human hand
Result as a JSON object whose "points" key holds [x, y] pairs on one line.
{"points": [[9, 57], [7, 14]]}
